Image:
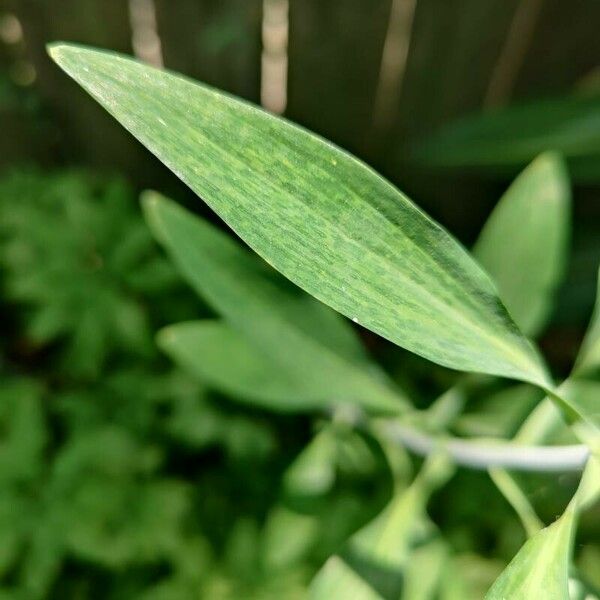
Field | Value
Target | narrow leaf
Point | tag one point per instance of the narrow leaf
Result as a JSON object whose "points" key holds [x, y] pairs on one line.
{"points": [[321, 355], [523, 244], [588, 359], [507, 139], [226, 361], [541, 566], [318, 215]]}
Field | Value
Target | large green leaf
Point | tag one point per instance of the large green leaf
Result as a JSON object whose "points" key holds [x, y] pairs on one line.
{"points": [[303, 342], [506, 139], [523, 245], [541, 567], [317, 214]]}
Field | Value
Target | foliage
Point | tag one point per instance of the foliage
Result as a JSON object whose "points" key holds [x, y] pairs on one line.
{"points": [[150, 461], [508, 138], [125, 475]]}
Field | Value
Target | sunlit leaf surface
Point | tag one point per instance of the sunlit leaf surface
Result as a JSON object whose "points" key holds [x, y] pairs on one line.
{"points": [[318, 215]]}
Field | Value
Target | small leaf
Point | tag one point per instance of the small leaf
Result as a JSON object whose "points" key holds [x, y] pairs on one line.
{"points": [[507, 139], [424, 571], [588, 359], [523, 244], [226, 361], [542, 564], [288, 537], [377, 554], [313, 472], [318, 215], [322, 354], [338, 580], [540, 567]]}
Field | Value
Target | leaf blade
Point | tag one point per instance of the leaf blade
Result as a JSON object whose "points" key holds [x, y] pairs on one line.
{"points": [[523, 244], [373, 255]]}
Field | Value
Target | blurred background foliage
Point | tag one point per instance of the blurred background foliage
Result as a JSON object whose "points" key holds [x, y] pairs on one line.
{"points": [[124, 476]]}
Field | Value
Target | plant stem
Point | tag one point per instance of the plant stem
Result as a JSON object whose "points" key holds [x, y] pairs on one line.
{"points": [[485, 455]]}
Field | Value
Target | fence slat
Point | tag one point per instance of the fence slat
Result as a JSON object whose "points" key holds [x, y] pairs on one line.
{"points": [[454, 47], [565, 47], [214, 41], [86, 131]]}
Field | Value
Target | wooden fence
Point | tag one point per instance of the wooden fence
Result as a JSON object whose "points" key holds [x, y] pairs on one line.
{"points": [[366, 73]]}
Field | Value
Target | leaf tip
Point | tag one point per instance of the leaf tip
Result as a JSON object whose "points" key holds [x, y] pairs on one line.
{"points": [[150, 200], [553, 164], [59, 50], [165, 337], [152, 203]]}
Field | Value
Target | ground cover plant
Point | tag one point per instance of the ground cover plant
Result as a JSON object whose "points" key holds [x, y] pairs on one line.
{"points": [[357, 512]]}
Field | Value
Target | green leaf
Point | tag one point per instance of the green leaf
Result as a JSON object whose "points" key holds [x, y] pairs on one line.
{"points": [[507, 139], [424, 571], [223, 359], [375, 557], [337, 580], [318, 215], [584, 396], [313, 471], [288, 537], [523, 244], [541, 567], [588, 359], [322, 354]]}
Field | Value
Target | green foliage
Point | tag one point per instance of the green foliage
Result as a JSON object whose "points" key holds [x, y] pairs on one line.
{"points": [[324, 360], [78, 259], [534, 215], [121, 479], [125, 475]]}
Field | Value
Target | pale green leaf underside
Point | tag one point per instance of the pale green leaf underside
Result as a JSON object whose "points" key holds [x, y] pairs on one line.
{"points": [[325, 220], [523, 244], [304, 343]]}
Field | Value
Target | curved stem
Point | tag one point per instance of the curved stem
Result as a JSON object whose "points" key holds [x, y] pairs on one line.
{"points": [[485, 455]]}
